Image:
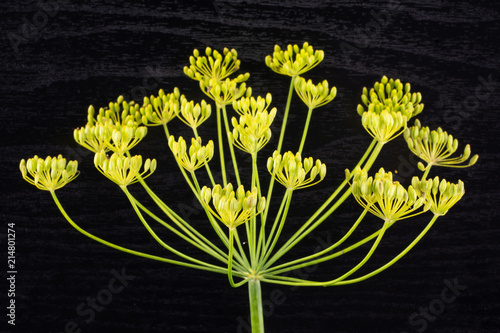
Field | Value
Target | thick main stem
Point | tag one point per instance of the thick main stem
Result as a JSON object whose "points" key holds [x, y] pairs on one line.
{"points": [[256, 313]]}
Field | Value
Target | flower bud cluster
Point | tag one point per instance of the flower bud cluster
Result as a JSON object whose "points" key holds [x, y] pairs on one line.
{"points": [[194, 157], [393, 96], [214, 65], [193, 114], [161, 109], [116, 128], [252, 132], [313, 95], [123, 170], [224, 92], [435, 147], [291, 171], [294, 60], [250, 105], [385, 198], [389, 105], [440, 195], [48, 174], [119, 112], [232, 208], [383, 126]]}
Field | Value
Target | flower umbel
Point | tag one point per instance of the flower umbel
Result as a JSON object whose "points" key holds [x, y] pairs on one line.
{"points": [[116, 128], [161, 109], [232, 208], [391, 95], [120, 112], [436, 147], [294, 60], [224, 92], [384, 126], [124, 170], [193, 114], [195, 157], [93, 137], [124, 138], [290, 171], [252, 132], [313, 95], [251, 106], [214, 65], [439, 195], [48, 174], [385, 198]]}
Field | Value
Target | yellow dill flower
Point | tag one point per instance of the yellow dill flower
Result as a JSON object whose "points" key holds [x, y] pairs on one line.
{"points": [[116, 127], [291, 171], [224, 92], [193, 114], [385, 198], [440, 195], [251, 105], [294, 60], [193, 158], [93, 137], [436, 147], [393, 96], [252, 132], [313, 95], [116, 113], [232, 208], [161, 109], [48, 174], [214, 65], [383, 126], [124, 170]]}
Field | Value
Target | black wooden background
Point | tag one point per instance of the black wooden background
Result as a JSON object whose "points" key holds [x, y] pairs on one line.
{"points": [[58, 57]]}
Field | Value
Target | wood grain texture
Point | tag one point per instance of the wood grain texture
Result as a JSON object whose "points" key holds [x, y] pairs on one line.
{"points": [[58, 57]]}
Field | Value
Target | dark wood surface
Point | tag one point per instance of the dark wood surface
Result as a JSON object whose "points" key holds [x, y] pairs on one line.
{"points": [[59, 57]]}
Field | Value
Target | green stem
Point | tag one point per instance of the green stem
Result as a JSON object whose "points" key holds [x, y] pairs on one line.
{"points": [[231, 148], [221, 147], [156, 237], [187, 235], [306, 127], [278, 149], [274, 235], [395, 259], [426, 173], [300, 282], [256, 313], [207, 167], [373, 153], [299, 263], [129, 251], [285, 115], [230, 258]]}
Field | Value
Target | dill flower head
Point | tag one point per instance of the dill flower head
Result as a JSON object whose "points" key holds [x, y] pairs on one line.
{"points": [[193, 158], [124, 170], [440, 195], [313, 95], [384, 197], [161, 109], [214, 65], [294, 60], [48, 174], [252, 132], [232, 208], [436, 147], [295, 173]]}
